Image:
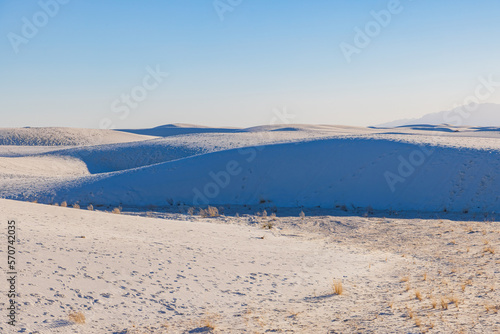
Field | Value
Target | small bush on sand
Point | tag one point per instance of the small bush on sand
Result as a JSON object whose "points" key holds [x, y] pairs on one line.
{"points": [[209, 212], [418, 295], [64, 204], [190, 211], [77, 317], [337, 287], [90, 207], [117, 211], [268, 225], [302, 215], [444, 303], [76, 206]]}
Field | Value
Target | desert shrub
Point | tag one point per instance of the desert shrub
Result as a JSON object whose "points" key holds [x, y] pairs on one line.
{"points": [[64, 204], [190, 211], [268, 225], [209, 212], [302, 215], [337, 287], [77, 317], [117, 211], [76, 206], [90, 207]]}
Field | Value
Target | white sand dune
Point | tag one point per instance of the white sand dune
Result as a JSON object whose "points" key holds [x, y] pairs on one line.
{"points": [[424, 168], [179, 129], [64, 137], [360, 172], [186, 274]]}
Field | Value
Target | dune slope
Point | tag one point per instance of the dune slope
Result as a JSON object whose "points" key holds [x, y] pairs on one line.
{"points": [[356, 172]]}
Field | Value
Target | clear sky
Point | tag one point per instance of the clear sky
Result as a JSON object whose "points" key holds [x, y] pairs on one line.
{"points": [[232, 62]]}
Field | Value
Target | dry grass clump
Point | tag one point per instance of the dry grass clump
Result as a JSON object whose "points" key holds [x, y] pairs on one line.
{"points": [[76, 206], [209, 321], [268, 225], [418, 322], [209, 212], [77, 317], [411, 314], [190, 211], [116, 211], [492, 308], [337, 287], [90, 207], [64, 204], [454, 300], [433, 303], [489, 249], [302, 215], [444, 303], [418, 295]]}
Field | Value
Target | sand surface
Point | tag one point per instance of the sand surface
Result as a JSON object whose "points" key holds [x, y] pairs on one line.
{"points": [[133, 274]]}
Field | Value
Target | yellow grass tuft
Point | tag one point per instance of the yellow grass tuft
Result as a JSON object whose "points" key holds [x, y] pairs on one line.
{"points": [[209, 212], [433, 303], [116, 211], [64, 204], [337, 287], [489, 249], [268, 225], [418, 295], [77, 317], [454, 300], [444, 303]]}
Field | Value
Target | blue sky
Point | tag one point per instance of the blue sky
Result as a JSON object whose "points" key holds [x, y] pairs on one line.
{"points": [[261, 56]]}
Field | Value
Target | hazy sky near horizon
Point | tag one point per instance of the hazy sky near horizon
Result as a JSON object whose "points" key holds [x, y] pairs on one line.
{"points": [[233, 62]]}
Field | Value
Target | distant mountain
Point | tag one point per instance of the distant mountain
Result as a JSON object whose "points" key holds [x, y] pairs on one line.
{"points": [[487, 114]]}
